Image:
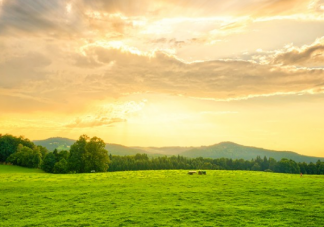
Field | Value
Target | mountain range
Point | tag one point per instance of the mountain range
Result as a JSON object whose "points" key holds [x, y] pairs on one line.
{"points": [[220, 150]]}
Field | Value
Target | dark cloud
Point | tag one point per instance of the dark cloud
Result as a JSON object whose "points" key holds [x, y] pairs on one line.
{"points": [[51, 18], [30, 15]]}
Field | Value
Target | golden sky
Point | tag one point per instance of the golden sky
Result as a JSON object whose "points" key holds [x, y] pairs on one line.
{"points": [[160, 73]]}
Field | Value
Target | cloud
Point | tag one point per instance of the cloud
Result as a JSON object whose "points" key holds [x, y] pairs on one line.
{"points": [[112, 71], [107, 115], [270, 8], [60, 19], [218, 112], [14, 70], [173, 43], [33, 16], [115, 19], [127, 7], [200, 8], [89, 123], [220, 79], [66, 56], [308, 55]]}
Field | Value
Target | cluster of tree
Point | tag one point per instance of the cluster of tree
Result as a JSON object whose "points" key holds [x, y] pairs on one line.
{"points": [[88, 155], [312, 168], [143, 162], [21, 151], [84, 156], [27, 157], [56, 162], [9, 145]]}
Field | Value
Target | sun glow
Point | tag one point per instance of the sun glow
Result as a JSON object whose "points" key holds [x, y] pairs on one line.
{"points": [[68, 8], [118, 45]]}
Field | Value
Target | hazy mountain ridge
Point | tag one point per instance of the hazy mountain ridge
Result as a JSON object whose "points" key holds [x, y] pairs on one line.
{"points": [[116, 149], [165, 150], [220, 150], [237, 151], [61, 143], [58, 143]]}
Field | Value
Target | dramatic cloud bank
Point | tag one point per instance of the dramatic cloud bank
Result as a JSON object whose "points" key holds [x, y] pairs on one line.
{"points": [[71, 58], [104, 48]]}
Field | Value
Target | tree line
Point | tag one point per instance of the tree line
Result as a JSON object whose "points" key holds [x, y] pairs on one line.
{"points": [[143, 162], [86, 155], [89, 154]]}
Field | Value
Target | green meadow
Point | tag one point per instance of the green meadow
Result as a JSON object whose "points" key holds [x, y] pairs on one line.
{"points": [[29, 197]]}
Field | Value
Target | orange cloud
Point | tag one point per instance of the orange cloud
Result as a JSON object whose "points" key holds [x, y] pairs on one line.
{"points": [[86, 123], [308, 55], [94, 50]]}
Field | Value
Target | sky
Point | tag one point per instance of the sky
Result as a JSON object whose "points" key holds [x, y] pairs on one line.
{"points": [[165, 73]]}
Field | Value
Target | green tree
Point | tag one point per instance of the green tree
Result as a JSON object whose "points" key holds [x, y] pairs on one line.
{"points": [[318, 164], [287, 166], [272, 164], [61, 166], [9, 145], [48, 163], [63, 154], [88, 154], [311, 168], [96, 157], [303, 167], [256, 167], [27, 157], [76, 161], [265, 164], [43, 151], [320, 169]]}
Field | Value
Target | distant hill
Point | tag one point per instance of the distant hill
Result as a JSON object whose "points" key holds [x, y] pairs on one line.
{"points": [[164, 150], [58, 143], [116, 149], [220, 150], [236, 151]]}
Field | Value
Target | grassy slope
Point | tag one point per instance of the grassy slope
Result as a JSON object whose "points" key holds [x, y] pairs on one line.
{"points": [[5, 169], [161, 198]]}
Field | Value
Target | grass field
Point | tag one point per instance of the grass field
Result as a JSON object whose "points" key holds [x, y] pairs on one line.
{"points": [[159, 198], [5, 169]]}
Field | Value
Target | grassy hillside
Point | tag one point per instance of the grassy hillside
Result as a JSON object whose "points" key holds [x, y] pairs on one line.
{"points": [[236, 151], [161, 198], [6, 169]]}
